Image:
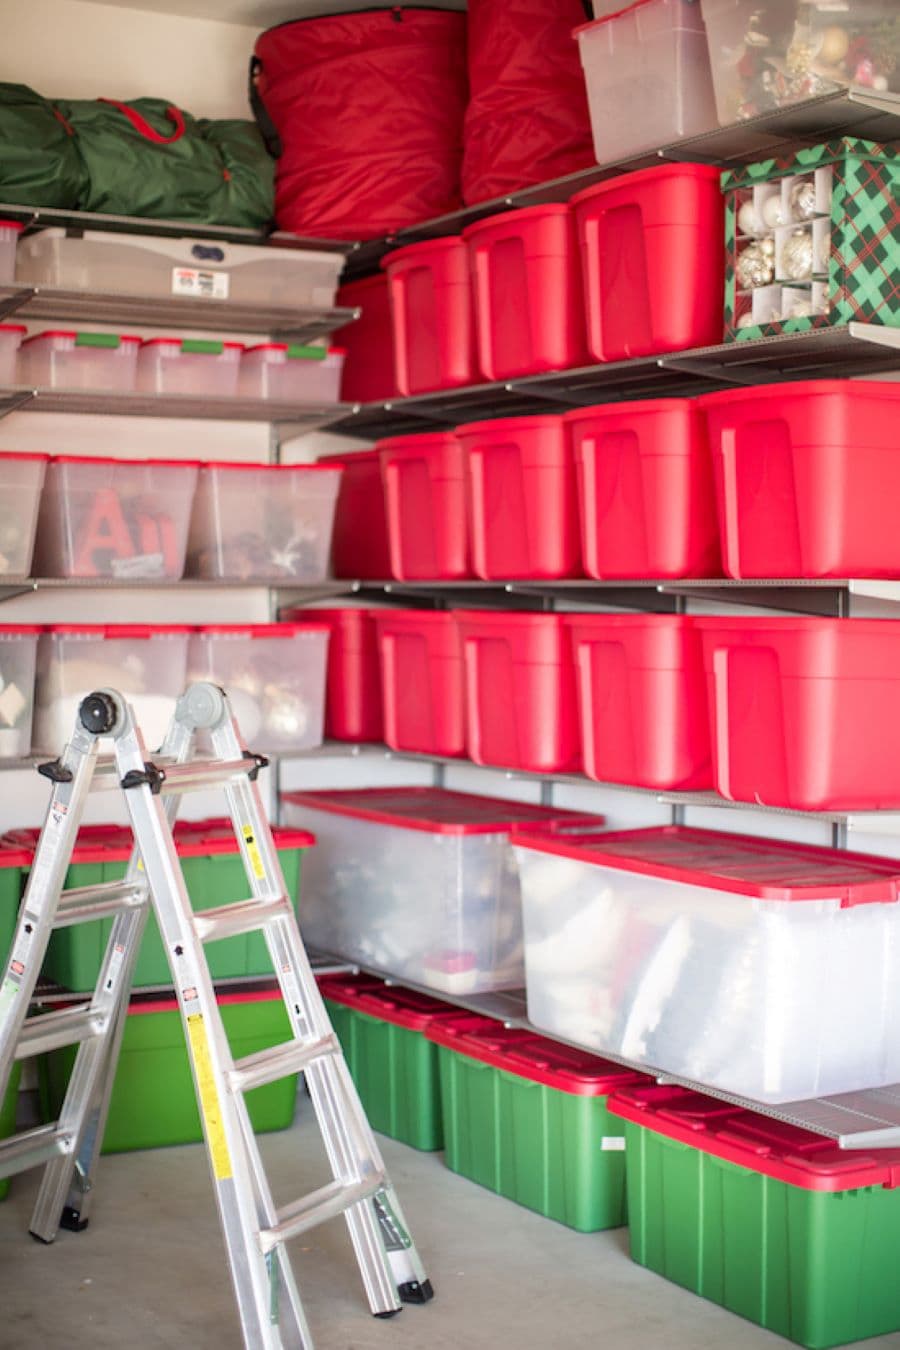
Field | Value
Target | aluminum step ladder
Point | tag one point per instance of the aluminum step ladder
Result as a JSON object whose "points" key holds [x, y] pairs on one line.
{"points": [[255, 1229]]}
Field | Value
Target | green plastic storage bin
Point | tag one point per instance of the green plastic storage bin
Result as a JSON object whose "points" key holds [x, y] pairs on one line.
{"points": [[214, 875], [153, 1102], [772, 1222], [527, 1118], [381, 1029]]}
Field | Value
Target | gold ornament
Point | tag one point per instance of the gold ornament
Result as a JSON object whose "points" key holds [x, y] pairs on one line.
{"points": [[834, 45]]}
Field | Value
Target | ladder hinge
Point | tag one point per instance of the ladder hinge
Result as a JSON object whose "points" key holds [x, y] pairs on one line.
{"points": [[150, 776], [260, 762], [56, 771]]}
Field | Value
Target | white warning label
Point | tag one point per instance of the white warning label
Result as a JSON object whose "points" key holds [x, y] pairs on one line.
{"points": [[200, 283]]}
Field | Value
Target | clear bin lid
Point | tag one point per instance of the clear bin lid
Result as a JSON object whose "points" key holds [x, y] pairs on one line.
{"points": [[272, 468], [263, 630], [438, 811], [532, 1057], [118, 630], [765, 869], [401, 1007], [109, 340], [758, 1143]]}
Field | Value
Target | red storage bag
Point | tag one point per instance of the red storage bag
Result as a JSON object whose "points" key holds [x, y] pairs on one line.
{"points": [[365, 114], [527, 119]]}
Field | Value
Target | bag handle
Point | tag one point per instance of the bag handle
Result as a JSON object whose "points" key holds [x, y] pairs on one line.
{"points": [[143, 127], [267, 128]]}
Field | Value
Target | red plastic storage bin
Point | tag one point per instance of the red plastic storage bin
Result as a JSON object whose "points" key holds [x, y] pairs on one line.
{"points": [[642, 700], [646, 495], [432, 315], [521, 705], [523, 498], [803, 711], [526, 273], [807, 476], [359, 542], [425, 493], [368, 375], [353, 691], [654, 261], [422, 681]]}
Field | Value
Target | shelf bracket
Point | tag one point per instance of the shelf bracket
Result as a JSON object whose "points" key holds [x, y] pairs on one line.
{"points": [[12, 301], [11, 402]]}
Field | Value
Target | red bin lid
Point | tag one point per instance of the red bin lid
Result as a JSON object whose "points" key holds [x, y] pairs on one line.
{"points": [[196, 838], [93, 843], [438, 811], [390, 1003], [763, 869], [774, 1148], [539, 1060]]}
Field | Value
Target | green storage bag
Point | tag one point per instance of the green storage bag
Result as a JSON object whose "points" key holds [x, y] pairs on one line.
{"points": [[150, 158], [39, 161]]}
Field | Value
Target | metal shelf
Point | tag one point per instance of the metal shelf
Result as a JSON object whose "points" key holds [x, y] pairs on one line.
{"points": [[115, 403], [10, 587], [858, 350], [863, 113], [297, 323]]}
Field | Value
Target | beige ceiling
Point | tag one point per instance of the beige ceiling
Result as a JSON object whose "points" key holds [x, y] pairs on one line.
{"points": [[256, 13]]}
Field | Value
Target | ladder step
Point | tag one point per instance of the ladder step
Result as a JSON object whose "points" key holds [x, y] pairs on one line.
{"points": [[267, 1066], [53, 1030], [99, 902], [30, 1148], [321, 1205], [194, 776], [245, 916]]}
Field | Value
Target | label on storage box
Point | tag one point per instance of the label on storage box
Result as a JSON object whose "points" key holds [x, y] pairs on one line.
{"points": [[199, 283], [613, 1143]]}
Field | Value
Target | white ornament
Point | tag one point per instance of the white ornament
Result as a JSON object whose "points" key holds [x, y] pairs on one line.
{"points": [[749, 220], [774, 213]]}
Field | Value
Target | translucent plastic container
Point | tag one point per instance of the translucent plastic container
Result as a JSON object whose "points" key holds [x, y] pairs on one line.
{"points": [[195, 268], [9, 237], [264, 521], [59, 359], [274, 675], [21, 480], [114, 518], [766, 57], [363, 897], [292, 373], [648, 77], [171, 365], [757, 967], [10, 337], [18, 649], [146, 663]]}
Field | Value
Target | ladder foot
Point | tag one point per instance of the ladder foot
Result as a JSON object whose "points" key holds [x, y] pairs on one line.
{"points": [[415, 1291], [72, 1221], [392, 1312]]}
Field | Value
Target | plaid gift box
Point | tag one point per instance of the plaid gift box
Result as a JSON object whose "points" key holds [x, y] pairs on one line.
{"points": [[848, 206]]}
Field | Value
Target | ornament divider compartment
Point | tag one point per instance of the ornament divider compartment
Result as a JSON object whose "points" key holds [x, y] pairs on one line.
{"points": [[812, 240]]}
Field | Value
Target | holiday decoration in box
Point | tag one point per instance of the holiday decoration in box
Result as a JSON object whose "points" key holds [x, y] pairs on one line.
{"points": [[812, 240]]}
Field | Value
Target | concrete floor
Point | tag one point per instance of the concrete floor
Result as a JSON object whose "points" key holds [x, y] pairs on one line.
{"points": [[149, 1272]]}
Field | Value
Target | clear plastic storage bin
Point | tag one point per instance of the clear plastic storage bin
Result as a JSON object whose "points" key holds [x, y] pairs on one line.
{"points": [[757, 967], [207, 269], [200, 366], [114, 518], [274, 675], [767, 56], [18, 648], [263, 520], [59, 359], [648, 77], [10, 337], [21, 480], [146, 663], [417, 883], [292, 373], [9, 237]]}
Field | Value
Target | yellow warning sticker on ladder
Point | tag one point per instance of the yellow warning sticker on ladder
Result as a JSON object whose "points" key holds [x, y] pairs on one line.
{"points": [[209, 1098], [253, 853]]}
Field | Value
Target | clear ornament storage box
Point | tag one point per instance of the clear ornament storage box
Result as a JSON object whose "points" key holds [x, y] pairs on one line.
{"points": [[418, 883], [811, 240], [21, 480], [274, 675], [18, 649], [761, 968], [66, 359]]}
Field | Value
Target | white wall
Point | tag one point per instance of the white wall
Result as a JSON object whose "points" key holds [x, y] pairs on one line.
{"points": [[75, 49]]}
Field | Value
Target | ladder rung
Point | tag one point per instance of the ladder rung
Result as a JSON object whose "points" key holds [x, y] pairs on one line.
{"points": [[245, 916], [205, 773], [267, 1066], [98, 902], [321, 1205], [33, 1147], [53, 1030]]}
